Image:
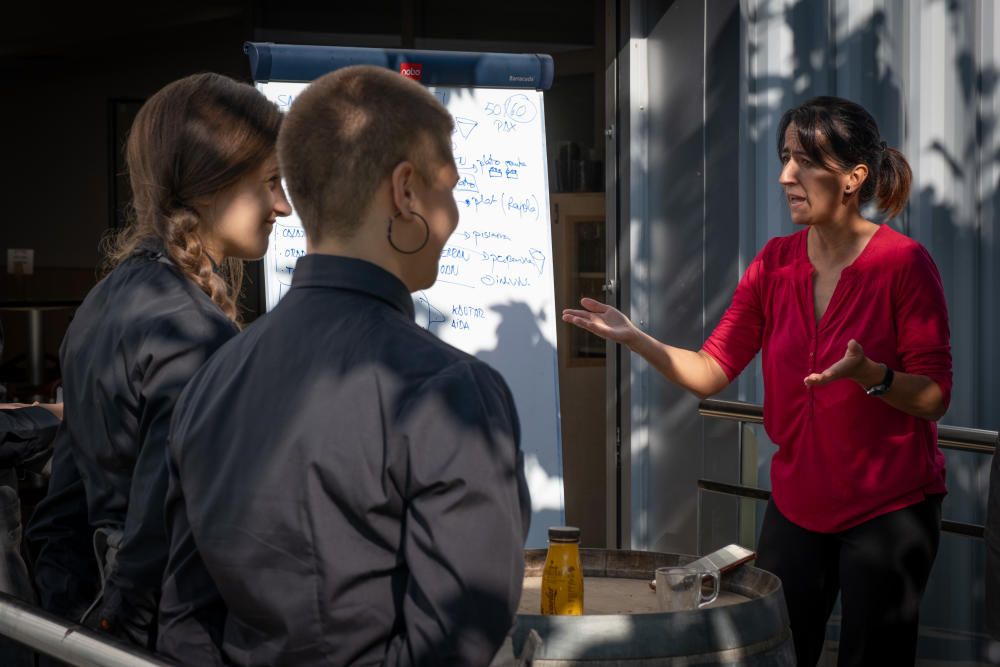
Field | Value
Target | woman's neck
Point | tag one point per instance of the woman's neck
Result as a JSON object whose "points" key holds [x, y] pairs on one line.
{"points": [[211, 248], [840, 241]]}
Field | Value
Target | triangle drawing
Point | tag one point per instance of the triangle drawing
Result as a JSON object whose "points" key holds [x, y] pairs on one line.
{"points": [[465, 126]]}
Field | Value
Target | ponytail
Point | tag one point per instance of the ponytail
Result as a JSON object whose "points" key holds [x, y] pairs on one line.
{"points": [[894, 177]]}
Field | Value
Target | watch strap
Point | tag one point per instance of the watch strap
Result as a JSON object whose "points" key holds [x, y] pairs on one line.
{"points": [[883, 386]]}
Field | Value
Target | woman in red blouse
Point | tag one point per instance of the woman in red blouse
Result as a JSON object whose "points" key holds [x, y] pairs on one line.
{"points": [[851, 320]]}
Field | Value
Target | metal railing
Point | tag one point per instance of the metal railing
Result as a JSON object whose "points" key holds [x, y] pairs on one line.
{"points": [[82, 647], [69, 642], [958, 438]]}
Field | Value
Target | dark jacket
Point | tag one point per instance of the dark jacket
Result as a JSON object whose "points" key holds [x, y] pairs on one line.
{"points": [[24, 432], [345, 488], [134, 343]]}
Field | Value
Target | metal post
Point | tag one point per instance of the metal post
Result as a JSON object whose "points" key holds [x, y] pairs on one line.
{"points": [[36, 348]]}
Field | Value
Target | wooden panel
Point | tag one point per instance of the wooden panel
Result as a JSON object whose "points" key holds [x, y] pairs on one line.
{"points": [[576, 217]]}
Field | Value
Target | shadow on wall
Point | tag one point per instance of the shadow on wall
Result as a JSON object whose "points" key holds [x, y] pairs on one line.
{"points": [[527, 360], [528, 363]]}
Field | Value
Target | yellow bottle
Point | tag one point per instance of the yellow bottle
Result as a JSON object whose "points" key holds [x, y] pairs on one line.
{"points": [[562, 578]]}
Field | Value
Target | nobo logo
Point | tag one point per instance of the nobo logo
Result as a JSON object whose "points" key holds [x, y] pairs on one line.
{"points": [[411, 70]]}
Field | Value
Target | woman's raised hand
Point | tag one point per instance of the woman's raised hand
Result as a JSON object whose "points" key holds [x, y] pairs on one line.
{"points": [[602, 320], [849, 367]]}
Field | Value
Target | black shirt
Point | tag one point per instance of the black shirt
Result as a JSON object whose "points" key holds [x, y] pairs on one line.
{"points": [[345, 488], [132, 346]]}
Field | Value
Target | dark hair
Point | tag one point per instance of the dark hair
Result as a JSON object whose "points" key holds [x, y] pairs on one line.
{"points": [[192, 139], [841, 134], [344, 135]]}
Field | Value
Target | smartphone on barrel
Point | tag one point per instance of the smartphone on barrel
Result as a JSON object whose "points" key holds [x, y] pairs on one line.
{"points": [[723, 560]]}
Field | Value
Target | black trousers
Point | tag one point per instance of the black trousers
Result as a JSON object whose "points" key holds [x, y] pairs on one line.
{"points": [[880, 568]]}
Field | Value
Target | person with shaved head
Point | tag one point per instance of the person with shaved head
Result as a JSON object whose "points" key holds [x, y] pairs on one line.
{"points": [[355, 492]]}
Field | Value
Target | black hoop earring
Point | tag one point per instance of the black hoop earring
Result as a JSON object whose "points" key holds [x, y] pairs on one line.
{"points": [[427, 235]]}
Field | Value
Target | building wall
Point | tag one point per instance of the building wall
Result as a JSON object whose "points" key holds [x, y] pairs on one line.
{"points": [[679, 258], [930, 73], [58, 128]]}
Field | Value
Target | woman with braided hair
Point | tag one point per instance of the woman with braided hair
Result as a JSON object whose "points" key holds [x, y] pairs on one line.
{"points": [[206, 191]]}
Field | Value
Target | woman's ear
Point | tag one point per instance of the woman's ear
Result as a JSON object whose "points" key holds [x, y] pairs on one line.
{"points": [[206, 206], [856, 178], [402, 182]]}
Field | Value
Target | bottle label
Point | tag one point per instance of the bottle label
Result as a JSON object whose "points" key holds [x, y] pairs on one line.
{"points": [[562, 589]]}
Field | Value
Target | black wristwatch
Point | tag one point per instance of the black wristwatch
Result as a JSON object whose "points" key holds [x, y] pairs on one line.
{"points": [[883, 386]]}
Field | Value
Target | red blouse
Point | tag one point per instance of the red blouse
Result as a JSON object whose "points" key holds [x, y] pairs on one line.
{"points": [[843, 457]]}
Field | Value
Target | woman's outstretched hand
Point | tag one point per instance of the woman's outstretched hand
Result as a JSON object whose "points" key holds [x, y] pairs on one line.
{"points": [[602, 320], [696, 371], [849, 367]]}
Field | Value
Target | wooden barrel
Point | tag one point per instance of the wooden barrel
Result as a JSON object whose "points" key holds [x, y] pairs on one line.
{"points": [[622, 625]]}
